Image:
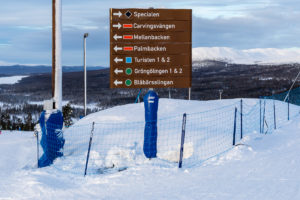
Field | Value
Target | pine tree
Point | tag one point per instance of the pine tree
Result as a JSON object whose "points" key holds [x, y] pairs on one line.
{"points": [[5, 121], [28, 122], [68, 113]]}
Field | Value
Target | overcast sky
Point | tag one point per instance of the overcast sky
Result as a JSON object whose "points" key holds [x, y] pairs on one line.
{"points": [[25, 26]]}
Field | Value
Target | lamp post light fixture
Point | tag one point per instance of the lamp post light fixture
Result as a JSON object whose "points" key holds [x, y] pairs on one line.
{"points": [[84, 65]]}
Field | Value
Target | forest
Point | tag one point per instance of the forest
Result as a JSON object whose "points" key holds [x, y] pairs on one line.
{"points": [[208, 79]]}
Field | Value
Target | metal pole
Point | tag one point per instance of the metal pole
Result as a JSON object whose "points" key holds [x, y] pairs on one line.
{"points": [[241, 118], [84, 66], [274, 110], [259, 115], [288, 94], [288, 107], [56, 54], [53, 47], [89, 149], [234, 127], [169, 93], [182, 140], [137, 100], [190, 91], [37, 148], [263, 122]]}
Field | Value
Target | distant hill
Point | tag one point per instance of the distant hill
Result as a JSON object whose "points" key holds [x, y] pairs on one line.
{"points": [[247, 56], [39, 69], [247, 81]]}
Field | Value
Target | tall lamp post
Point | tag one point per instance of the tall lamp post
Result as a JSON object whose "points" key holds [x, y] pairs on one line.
{"points": [[84, 65]]}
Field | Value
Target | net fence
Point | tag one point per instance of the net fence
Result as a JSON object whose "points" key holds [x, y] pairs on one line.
{"points": [[118, 146]]}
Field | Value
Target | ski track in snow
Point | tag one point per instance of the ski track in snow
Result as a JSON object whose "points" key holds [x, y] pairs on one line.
{"points": [[264, 167]]}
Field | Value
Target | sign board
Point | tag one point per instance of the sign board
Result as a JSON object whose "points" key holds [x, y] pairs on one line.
{"points": [[150, 48]]}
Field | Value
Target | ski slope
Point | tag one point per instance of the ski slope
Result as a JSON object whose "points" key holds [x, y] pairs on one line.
{"points": [[261, 167]]}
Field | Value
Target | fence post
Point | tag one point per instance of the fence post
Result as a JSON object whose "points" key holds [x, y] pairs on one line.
{"points": [[88, 153], [259, 115], [263, 122], [182, 140], [241, 118], [37, 148], [234, 126], [274, 111], [288, 107]]}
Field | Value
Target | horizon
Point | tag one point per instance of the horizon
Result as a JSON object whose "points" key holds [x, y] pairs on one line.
{"points": [[224, 54]]}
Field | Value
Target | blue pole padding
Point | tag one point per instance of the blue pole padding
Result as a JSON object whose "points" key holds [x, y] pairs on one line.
{"points": [[52, 140], [150, 132]]}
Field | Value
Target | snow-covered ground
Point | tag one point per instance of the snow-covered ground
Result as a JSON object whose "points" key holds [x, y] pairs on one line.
{"points": [[262, 167], [10, 80], [167, 108], [248, 56]]}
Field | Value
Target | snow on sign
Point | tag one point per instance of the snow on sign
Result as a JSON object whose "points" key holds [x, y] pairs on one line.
{"points": [[150, 48]]}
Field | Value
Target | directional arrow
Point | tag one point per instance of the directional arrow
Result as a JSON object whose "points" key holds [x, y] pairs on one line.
{"points": [[116, 37], [118, 14], [116, 82], [117, 25], [117, 48], [117, 71], [118, 60]]}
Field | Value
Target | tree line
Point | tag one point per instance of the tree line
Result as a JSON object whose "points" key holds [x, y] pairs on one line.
{"points": [[14, 119]]}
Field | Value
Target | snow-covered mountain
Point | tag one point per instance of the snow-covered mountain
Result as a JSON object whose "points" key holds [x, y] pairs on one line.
{"points": [[247, 56]]}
